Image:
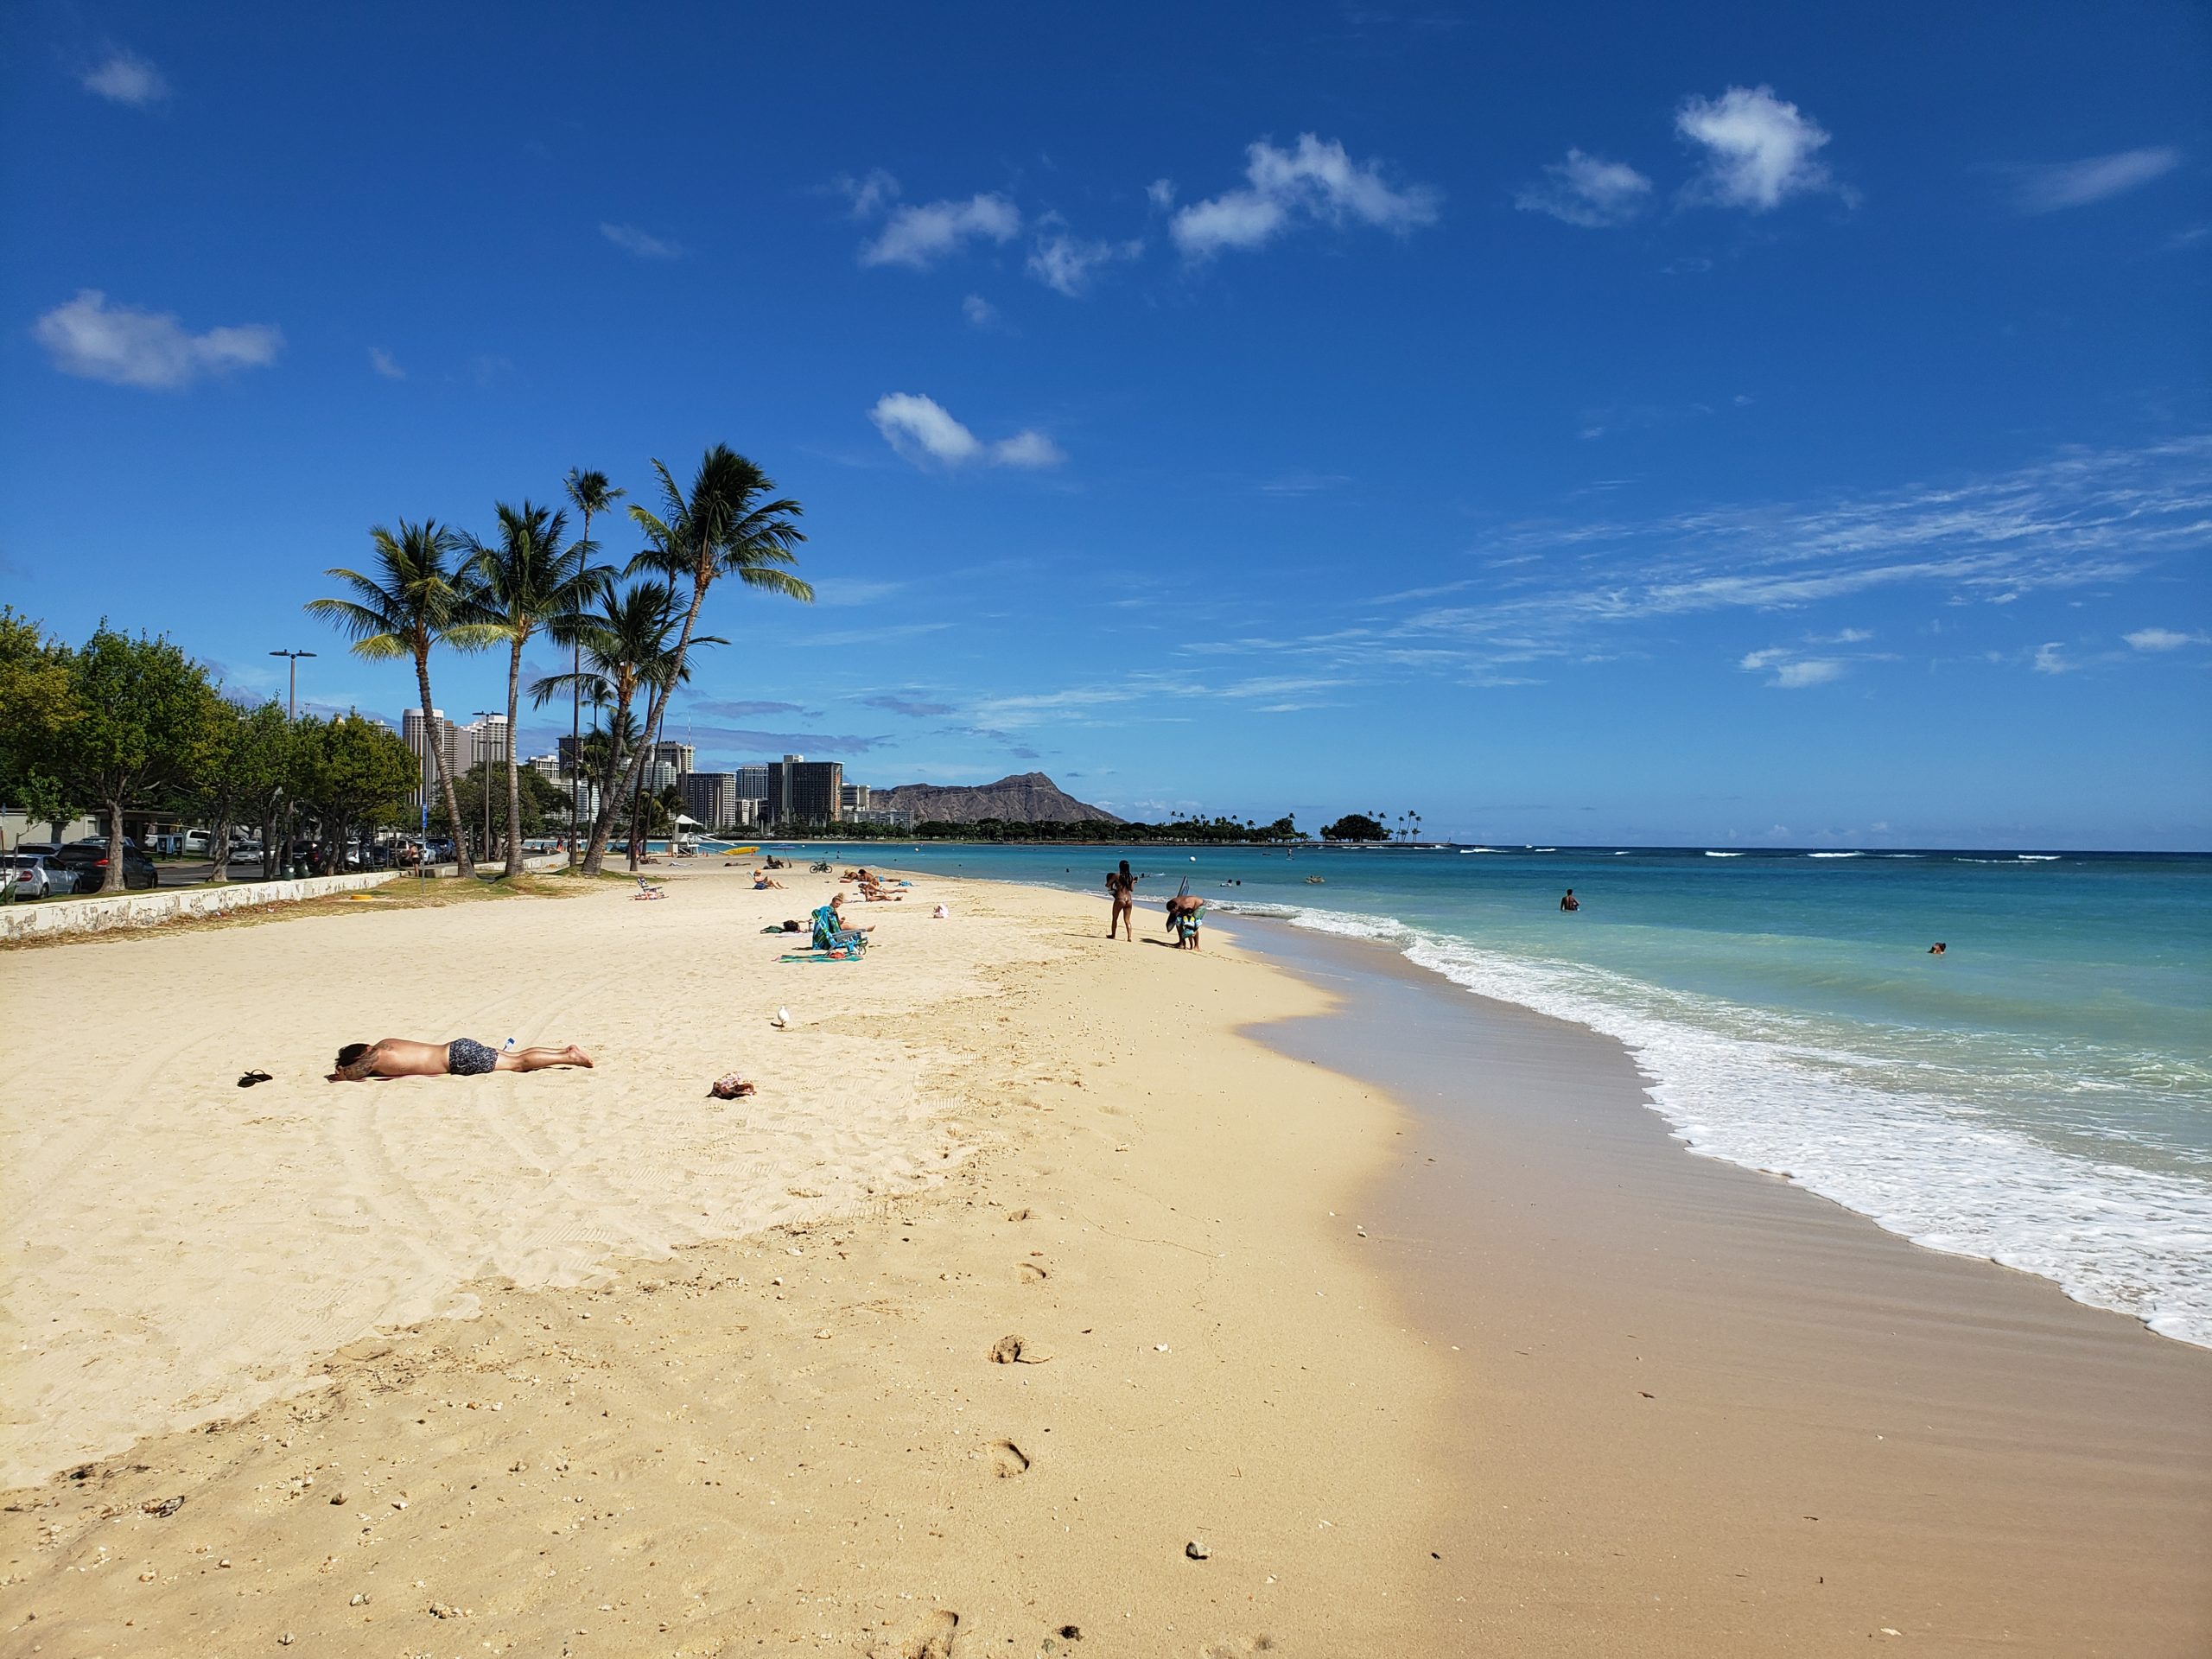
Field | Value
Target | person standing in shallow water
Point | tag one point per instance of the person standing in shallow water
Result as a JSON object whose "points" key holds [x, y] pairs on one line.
{"points": [[1121, 886], [1570, 902]]}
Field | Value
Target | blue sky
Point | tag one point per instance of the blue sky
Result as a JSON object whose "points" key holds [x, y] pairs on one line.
{"points": [[1612, 424]]}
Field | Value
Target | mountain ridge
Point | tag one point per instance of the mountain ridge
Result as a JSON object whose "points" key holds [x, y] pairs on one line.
{"points": [[1019, 798]]}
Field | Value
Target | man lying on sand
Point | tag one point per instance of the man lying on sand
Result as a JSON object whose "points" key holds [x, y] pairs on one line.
{"points": [[464, 1057]]}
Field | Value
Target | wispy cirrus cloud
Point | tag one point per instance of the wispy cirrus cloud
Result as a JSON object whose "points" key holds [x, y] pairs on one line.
{"points": [[1313, 182], [642, 243], [912, 708], [1563, 592], [127, 347], [1759, 150], [385, 364], [124, 77], [925, 432], [1587, 190], [741, 708], [2049, 188]]}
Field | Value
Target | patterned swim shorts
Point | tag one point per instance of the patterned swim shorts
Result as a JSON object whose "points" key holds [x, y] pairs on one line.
{"points": [[467, 1057]]}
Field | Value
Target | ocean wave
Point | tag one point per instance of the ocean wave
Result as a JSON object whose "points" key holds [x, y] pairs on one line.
{"points": [[2137, 1241], [1835, 855], [1715, 854]]}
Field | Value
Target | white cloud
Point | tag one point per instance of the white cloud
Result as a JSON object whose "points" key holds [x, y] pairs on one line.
{"points": [[1759, 150], [1314, 182], [867, 196], [1587, 190], [920, 237], [923, 431], [126, 78], [631, 239], [979, 311], [2161, 640], [1066, 264], [1806, 670], [381, 362], [2076, 184], [126, 347], [1792, 672], [2050, 658], [1160, 193]]}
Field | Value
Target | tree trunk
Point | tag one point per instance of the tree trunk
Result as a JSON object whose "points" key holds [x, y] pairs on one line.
{"points": [[514, 773], [445, 776], [114, 881], [659, 706], [603, 820], [218, 846], [577, 741]]}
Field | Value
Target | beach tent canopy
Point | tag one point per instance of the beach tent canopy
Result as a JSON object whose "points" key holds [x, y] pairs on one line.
{"points": [[681, 821]]}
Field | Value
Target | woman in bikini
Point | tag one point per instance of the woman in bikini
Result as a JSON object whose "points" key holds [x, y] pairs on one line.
{"points": [[464, 1057], [1121, 886]]}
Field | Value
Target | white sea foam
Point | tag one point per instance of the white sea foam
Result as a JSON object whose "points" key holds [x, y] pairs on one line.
{"points": [[1714, 854], [1835, 855], [2135, 1241]]}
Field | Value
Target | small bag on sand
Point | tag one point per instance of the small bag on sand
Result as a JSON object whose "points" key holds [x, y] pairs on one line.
{"points": [[730, 1086]]}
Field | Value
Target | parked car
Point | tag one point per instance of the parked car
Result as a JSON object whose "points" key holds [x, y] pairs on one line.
{"points": [[245, 852], [87, 862], [34, 875]]}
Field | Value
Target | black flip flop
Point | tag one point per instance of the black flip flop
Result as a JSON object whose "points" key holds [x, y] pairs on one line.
{"points": [[252, 1077]]}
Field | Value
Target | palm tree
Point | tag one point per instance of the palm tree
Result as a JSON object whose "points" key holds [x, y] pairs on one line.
{"points": [[530, 581], [589, 492], [725, 525], [626, 649], [416, 599]]}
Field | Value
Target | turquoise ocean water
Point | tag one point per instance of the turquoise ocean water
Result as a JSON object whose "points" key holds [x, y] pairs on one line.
{"points": [[2040, 1095]]}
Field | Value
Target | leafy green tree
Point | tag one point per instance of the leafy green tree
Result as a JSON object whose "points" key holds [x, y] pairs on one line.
{"points": [[531, 580], [1355, 826], [350, 774], [417, 596], [38, 703], [725, 525], [143, 716], [244, 755]]}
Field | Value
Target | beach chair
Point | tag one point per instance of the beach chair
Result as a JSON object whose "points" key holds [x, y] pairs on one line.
{"points": [[646, 890], [827, 936]]}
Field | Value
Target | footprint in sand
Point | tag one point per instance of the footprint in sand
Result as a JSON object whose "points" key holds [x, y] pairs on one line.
{"points": [[931, 1638], [1240, 1647], [1008, 1459], [1033, 1272]]}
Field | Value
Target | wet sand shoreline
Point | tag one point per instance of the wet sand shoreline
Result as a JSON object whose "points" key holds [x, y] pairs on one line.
{"points": [[1710, 1411]]}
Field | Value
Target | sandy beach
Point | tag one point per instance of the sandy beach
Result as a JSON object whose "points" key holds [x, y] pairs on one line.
{"points": [[592, 1364], [1052, 1295]]}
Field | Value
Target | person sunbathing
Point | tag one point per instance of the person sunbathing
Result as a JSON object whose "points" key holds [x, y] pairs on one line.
{"points": [[761, 881], [464, 1057]]}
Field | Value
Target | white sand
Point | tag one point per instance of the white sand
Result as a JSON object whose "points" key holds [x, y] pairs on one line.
{"points": [[181, 1249]]}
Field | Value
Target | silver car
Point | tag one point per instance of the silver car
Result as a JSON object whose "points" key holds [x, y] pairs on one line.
{"points": [[31, 876]]}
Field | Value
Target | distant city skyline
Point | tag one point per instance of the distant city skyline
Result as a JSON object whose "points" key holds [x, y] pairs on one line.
{"points": [[1588, 424]]}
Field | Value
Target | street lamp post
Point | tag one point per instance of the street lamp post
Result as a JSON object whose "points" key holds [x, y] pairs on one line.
{"points": [[485, 783], [292, 701]]}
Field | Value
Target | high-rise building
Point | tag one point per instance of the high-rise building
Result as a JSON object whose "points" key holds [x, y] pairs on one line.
{"points": [[753, 781], [486, 741], [806, 792], [711, 797], [546, 765], [853, 798], [421, 732], [677, 757]]}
